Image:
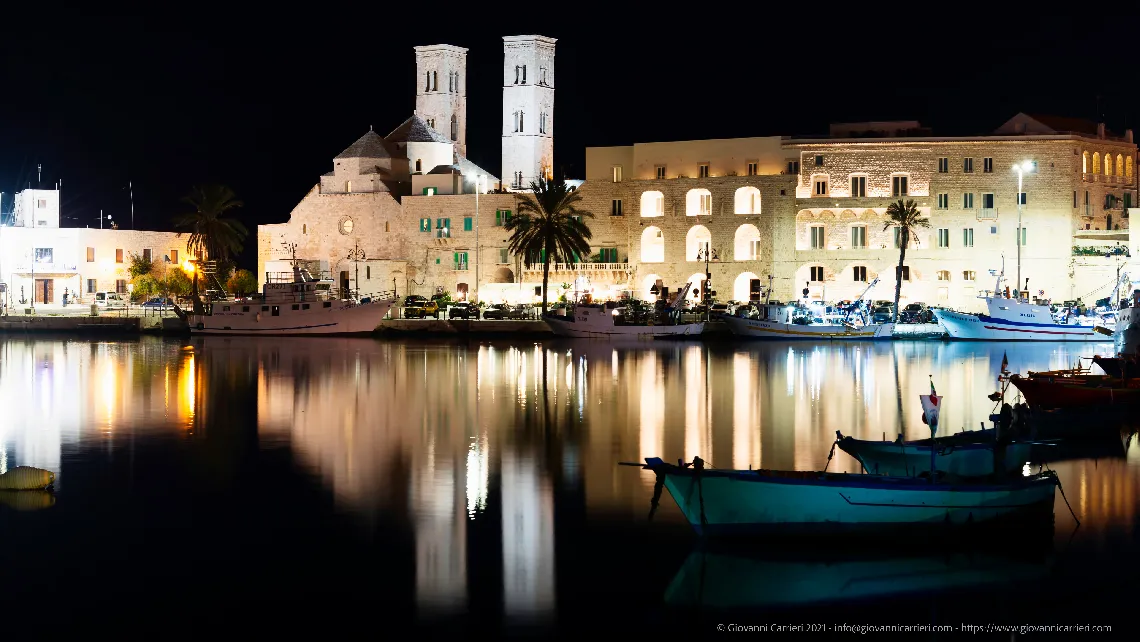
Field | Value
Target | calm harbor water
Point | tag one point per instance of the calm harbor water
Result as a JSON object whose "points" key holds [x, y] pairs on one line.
{"points": [[467, 488]]}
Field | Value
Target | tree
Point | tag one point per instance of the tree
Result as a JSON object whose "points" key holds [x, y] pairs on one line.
{"points": [[140, 266], [212, 236], [141, 269], [906, 217], [175, 283], [242, 283], [549, 228]]}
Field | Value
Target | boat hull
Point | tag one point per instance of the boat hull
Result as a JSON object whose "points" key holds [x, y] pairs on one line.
{"points": [[958, 460], [786, 503], [1126, 338], [1072, 392], [757, 329], [249, 319], [576, 330], [982, 327]]}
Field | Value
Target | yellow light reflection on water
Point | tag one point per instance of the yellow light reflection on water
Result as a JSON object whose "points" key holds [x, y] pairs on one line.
{"points": [[186, 388]]}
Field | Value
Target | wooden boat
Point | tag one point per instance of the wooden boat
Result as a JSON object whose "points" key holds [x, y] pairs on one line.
{"points": [[716, 501], [967, 454], [1076, 389]]}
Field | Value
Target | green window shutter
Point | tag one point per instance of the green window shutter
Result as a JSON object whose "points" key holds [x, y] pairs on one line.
{"points": [[447, 223], [467, 226], [437, 260], [503, 256], [498, 218]]}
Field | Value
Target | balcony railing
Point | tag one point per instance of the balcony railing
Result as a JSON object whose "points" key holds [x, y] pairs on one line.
{"points": [[579, 267], [45, 268], [987, 213]]}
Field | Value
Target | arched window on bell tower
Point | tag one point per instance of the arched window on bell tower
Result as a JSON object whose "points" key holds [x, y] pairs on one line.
{"points": [[454, 127]]}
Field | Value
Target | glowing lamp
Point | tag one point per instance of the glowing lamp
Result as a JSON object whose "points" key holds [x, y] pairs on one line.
{"points": [[187, 266]]}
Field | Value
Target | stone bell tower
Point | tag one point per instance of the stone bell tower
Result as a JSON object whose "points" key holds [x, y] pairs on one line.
{"points": [[528, 110]]}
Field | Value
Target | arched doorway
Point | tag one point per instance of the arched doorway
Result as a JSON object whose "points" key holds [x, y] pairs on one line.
{"points": [[744, 287], [696, 240]]}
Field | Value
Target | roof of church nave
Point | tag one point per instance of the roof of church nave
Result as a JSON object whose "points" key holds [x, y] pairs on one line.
{"points": [[370, 145], [415, 130]]}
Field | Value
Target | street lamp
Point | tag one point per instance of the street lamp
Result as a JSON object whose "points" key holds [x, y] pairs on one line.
{"points": [[706, 254], [1021, 168], [356, 255], [478, 182]]}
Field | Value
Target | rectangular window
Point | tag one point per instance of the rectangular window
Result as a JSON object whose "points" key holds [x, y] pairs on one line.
{"points": [[816, 237], [706, 204], [943, 201], [1021, 198], [943, 275], [817, 273], [821, 187], [442, 228], [858, 186], [819, 160], [90, 255], [897, 233], [118, 255], [859, 237], [1127, 200], [174, 256], [146, 254], [460, 259], [753, 168], [968, 237], [468, 224], [905, 270], [609, 255], [987, 201], [754, 250], [121, 286], [44, 255], [793, 167], [943, 237], [41, 204], [91, 288], [617, 173], [943, 165], [660, 171], [968, 201], [988, 165], [703, 170], [429, 191], [859, 273], [368, 271], [425, 224], [615, 207], [968, 275], [1074, 199], [1023, 239], [899, 185], [968, 165]]}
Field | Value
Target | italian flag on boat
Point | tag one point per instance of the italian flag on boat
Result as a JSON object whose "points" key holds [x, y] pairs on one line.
{"points": [[930, 407]]}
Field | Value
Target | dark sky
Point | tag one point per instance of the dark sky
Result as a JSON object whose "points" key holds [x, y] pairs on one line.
{"points": [[262, 102]]}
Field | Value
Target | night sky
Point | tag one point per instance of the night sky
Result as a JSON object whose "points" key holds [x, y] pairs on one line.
{"points": [[262, 102]]}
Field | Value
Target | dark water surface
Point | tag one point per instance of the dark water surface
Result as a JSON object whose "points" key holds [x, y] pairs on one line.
{"points": [[370, 487]]}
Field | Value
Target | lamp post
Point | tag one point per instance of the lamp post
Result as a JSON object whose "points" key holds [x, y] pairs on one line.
{"points": [[1020, 168], [356, 255], [478, 182], [706, 254]]}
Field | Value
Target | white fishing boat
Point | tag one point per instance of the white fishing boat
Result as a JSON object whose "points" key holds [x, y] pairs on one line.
{"points": [[1018, 319], [1126, 336], [296, 304], [800, 321], [716, 501], [599, 321], [966, 454]]}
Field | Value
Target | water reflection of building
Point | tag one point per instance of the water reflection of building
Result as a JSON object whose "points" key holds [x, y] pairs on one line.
{"points": [[57, 393]]}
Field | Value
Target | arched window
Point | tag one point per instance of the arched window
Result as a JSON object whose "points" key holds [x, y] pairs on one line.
{"points": [[1108, 164], [418, 166], [746, 287], [696, 240], [747, 200], [652, 245], [698, 202], [1096, 162], [652, 204], [454, 127], [1085, 162], [747, 244], [695, 288], [1119, 165], [651, 287], [1128, 167]]}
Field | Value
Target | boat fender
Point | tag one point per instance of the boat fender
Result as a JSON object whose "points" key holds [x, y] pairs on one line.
{"points": [[26, 478]]}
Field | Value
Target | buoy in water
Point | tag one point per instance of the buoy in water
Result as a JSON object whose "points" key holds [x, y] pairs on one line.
{"points": [[26, 478]]}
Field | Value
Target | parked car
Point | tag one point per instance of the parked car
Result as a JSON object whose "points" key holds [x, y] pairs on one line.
{"points": [[159, 303], [719, 310], [110, 300], [882, 314], [916, 313], [462, 311], [498, 311], [520, 312], [415, 307]]}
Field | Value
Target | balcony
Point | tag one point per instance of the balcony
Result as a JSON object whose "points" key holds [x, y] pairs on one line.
{"points": [[580, 268], [987, 213], [27, 267]]}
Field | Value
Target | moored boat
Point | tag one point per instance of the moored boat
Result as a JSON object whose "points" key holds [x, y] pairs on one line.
{"points": [[1070, 389], [775, 320], [970, 453], [609, 321], [300, 305], [716, 501]]}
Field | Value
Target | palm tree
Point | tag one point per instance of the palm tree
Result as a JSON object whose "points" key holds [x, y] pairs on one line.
{"points": [[212, 237], [549, 228], [906, 217]]}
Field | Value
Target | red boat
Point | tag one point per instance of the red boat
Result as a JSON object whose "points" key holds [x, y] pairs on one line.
{"points": [[1073, 389]]}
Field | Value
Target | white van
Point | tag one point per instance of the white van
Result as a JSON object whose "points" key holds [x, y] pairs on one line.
{"points": [[110, 300]]}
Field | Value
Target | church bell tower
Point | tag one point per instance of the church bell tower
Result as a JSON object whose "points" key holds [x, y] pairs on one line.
{"points": [[528, 110], [441, 91]]}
